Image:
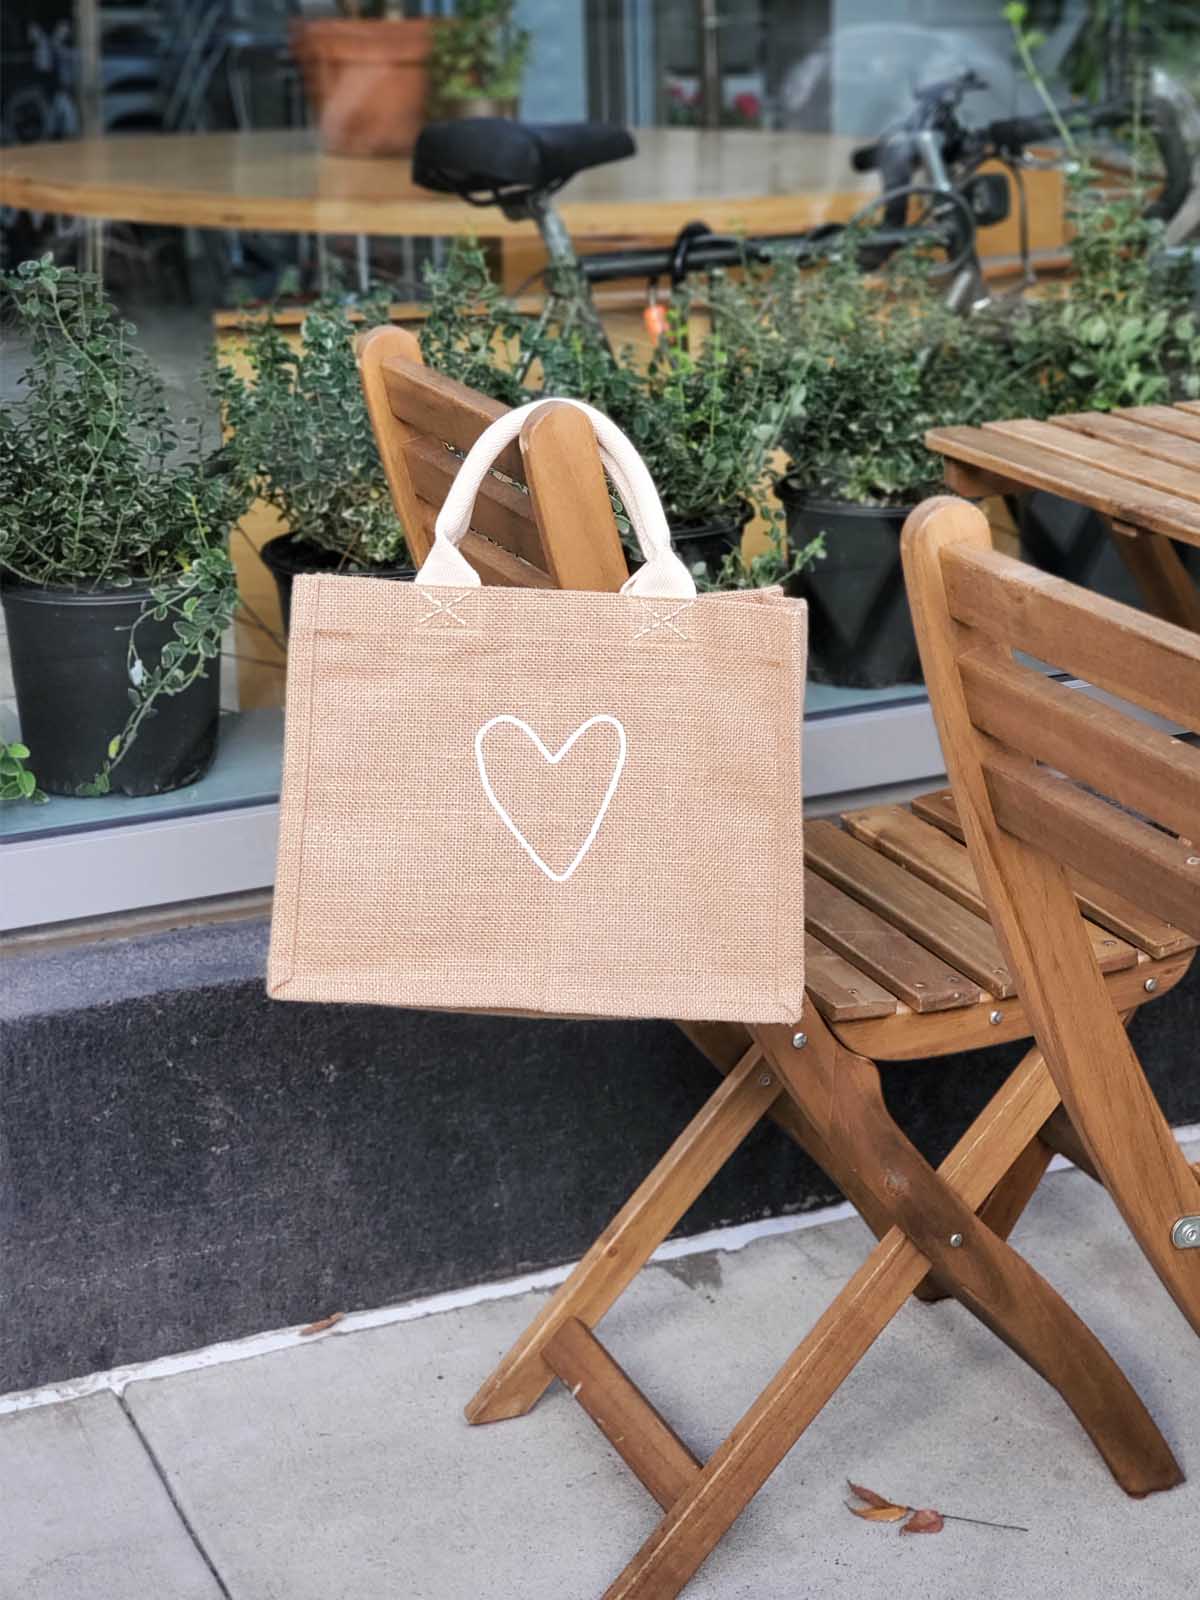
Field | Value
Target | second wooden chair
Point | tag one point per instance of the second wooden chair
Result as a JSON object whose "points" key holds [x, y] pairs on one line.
{"points": [[902, 965]]}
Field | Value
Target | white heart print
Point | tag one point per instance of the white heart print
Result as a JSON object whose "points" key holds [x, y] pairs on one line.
{"points": [[618, 768]]}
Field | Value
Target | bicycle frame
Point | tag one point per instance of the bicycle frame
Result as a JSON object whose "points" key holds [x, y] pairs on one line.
{"points": [[565, 263]]}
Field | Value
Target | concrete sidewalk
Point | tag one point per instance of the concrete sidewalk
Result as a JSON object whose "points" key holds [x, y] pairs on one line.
{"points": [[339, 1467]]}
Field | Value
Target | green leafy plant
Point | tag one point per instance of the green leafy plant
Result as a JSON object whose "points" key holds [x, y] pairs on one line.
{"points": [[1122, 332], [772, 566], [705, 412], [16, 780], [877, 360], [100, 488], [1114, 39], [472, 331], [478, 54], [300, 433]]}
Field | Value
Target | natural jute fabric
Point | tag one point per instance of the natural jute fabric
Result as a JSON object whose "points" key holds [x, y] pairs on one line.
{"points": [[538, 800]]}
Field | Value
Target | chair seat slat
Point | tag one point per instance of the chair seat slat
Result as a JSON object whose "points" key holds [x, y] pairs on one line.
{"points": [[494, 564], [915, 975], [943, 862], [1133, 763], [938, 923], [1132, 655], [840, 992], [502, 512]]}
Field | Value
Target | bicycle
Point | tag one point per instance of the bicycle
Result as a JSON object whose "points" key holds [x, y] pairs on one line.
{"points": [[520, 167]]}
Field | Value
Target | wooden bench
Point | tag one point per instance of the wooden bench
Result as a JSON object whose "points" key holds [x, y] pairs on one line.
{"points": [[903, 965], [1139, 467]]}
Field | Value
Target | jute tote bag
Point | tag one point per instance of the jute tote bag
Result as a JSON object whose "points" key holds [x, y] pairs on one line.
{"points": [[542, 800]]}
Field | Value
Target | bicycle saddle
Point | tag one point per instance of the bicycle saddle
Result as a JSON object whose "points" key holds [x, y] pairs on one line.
{"points": [[485, 159]]}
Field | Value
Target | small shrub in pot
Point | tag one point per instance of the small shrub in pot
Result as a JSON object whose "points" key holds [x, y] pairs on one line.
{"points": [[705, 412], [300, 433], [116, 579], [876, 361], [478, 61]]}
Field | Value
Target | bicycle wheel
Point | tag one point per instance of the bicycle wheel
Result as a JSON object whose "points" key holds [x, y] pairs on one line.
{"points": [[937, 220]]}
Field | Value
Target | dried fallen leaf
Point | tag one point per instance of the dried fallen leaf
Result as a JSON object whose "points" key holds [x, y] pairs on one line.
{"points": [[880, 1513], [877, 1509], [868, 1495], [323, 1324], [925, 1521]]}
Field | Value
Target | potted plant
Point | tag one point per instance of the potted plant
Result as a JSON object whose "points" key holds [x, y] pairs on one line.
{"points": [[366, 75], [1121, 332], [875, 361], [705, 413], [300, 434], [114, 573], [478, 61]]}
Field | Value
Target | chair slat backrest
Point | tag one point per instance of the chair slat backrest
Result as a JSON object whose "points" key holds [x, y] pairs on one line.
{"points": [[543, 519], [1090, 785], [1030, 775]]}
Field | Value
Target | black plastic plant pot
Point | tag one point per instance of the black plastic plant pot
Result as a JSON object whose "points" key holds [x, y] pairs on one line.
{"points": [[708, 543], [860, 632], [289, 557], [71, 670]]}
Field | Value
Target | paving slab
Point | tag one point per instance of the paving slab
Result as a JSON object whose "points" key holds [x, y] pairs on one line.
{"points": [[84, 1514], [344, 1467]]}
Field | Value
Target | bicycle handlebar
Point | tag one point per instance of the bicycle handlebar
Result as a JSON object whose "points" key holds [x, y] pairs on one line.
{"points": [[1010, 136]]}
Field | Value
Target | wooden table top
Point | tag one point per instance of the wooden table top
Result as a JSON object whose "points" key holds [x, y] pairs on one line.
{"points": [[1139, 466], [736, 178]]}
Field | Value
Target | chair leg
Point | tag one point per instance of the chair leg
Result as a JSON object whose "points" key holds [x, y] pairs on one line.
{"points": [[1003, 1208], [634, 1234], [723, 1043], [733, 1475], [1125, 1138], [840, 1092], [715, 1497], [1006, 1204]]}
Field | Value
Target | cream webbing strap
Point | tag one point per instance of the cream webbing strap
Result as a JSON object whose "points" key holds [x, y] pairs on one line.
{"points": [[664, 574]]}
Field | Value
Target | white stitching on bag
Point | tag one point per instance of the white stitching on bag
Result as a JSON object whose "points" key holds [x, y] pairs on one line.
{"points": [[618, 768], [443, 607], [663, 622]]}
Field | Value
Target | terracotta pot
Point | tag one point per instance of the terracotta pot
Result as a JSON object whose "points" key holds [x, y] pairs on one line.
{"points": [[366, 82]]}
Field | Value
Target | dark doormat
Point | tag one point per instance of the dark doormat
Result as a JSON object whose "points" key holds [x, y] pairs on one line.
{"points": [[184, 1161]]}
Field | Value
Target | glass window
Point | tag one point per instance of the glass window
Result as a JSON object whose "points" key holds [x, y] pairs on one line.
{"points": [[238, 173]]}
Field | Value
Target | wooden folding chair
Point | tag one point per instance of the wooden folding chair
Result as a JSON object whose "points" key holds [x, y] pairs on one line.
{"points": [[1049, 781], [902, 965]]}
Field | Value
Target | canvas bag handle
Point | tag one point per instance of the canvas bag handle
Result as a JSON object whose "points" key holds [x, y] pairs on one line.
{"points": [[664, 574]]}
